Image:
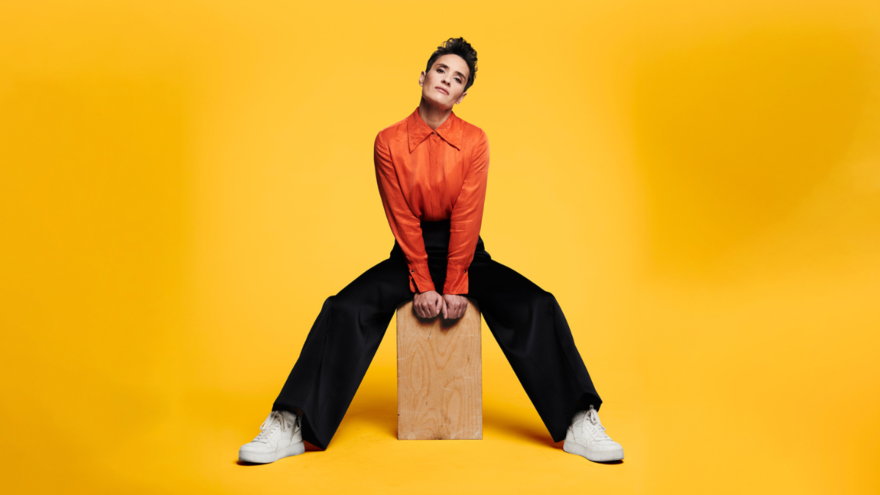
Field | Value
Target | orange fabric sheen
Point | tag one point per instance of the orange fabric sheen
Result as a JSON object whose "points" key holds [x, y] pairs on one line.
{"points": [[427, 174]]}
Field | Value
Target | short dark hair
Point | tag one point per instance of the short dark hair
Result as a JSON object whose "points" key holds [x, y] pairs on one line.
{"points": [[460, 47]]}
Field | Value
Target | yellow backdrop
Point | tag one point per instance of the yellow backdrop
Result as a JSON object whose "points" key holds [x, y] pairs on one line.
{"points": [[698, 183]]}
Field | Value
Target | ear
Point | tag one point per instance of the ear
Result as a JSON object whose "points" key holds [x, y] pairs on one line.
{"points": [[461, 97], [422, 79]]}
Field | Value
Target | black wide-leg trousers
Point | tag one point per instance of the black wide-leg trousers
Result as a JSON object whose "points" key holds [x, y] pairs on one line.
{"points": [[526, 321]]}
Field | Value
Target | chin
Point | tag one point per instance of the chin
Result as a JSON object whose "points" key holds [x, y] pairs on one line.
{"points": [[441, 104]]}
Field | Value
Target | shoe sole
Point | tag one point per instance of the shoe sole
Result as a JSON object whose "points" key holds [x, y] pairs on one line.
{"points": [[267, 457], [578, 449]]}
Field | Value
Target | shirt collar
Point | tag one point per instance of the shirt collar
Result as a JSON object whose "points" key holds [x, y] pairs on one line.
{"points": [[450, 130]]}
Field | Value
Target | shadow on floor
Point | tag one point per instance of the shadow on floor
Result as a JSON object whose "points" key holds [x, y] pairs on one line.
{"points": [[379, 407]]}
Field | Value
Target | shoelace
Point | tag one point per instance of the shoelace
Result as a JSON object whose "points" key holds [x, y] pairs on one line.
{"points": [[273, 422], [591, 421]]}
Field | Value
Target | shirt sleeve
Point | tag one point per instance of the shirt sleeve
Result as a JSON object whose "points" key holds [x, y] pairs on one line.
{"points": [[467, 216], [405, 226]]}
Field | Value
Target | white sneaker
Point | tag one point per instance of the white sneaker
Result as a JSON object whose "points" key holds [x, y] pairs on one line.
{"points": [[586, 437], [281, 436]]}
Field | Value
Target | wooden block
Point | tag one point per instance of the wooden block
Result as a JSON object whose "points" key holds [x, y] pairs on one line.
{"points": [[439, 376]]}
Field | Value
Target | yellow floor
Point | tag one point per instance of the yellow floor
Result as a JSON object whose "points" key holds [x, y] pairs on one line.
{"points": [[186, 441], [194, 448]]}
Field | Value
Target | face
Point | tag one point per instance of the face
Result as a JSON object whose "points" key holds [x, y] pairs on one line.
{"points": [[444, 84]]}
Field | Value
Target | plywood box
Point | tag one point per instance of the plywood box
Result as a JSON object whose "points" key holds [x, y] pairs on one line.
{"points": [[439, 376]]}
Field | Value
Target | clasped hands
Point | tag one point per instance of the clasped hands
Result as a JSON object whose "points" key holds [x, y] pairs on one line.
{"points": [[430, 304]]}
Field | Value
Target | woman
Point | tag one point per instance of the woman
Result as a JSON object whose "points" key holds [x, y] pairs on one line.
{"points": [[431, 169]]}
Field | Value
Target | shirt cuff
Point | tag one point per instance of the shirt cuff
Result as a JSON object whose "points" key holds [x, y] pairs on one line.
{"points": [[456, 279], [420, 278]]}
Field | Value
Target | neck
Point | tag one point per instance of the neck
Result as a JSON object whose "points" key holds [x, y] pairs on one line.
{"points": [[432, 115]]}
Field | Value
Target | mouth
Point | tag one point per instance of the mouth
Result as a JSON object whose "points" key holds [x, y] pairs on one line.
{"points": [[442, 90]]}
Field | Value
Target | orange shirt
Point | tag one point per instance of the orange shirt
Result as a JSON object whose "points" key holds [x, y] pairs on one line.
{"points": [[427, 174]]}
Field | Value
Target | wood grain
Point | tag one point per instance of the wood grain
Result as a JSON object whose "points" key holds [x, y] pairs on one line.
{"points": [[439, 376]]}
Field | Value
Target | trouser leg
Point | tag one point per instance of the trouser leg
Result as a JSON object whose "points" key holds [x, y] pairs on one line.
{"points": [[535, 337], [340, 347]]}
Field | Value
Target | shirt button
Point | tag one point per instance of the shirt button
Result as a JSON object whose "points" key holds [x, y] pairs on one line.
{"points": [[412, 271]]}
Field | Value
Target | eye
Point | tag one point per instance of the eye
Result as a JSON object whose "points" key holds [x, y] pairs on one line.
{"points": [[458, 80]]}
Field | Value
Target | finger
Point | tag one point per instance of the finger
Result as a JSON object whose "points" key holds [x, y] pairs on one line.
{"points": [[444, 308]]}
